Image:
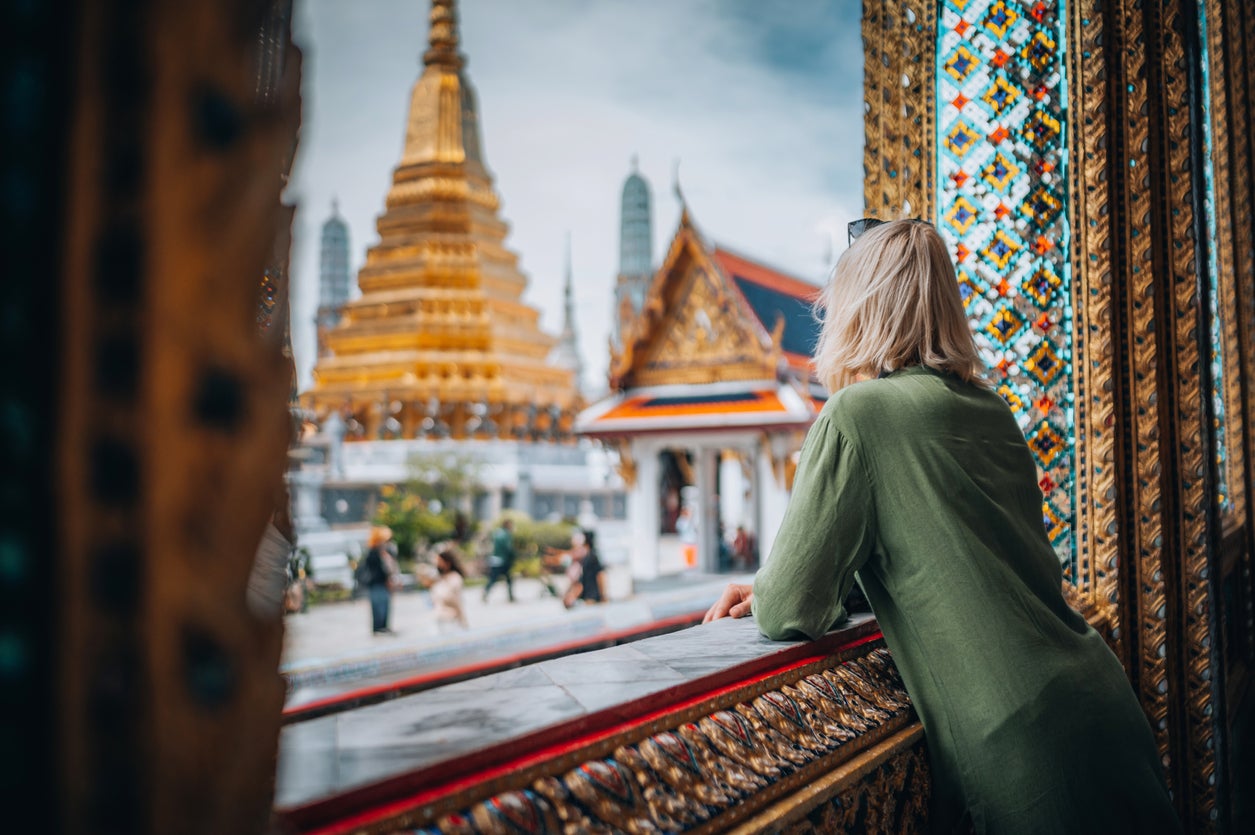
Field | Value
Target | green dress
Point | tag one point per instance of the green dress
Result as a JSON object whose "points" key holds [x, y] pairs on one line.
{"points": [[924, 485]]}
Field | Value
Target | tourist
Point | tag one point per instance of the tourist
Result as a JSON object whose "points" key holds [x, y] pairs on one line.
{"points": [[574, 557], [744, 549], [554, 561], [918, 477], [586, 574], [378, 575], [501, 559], [446, 591], [300, 582], [686, 526]]}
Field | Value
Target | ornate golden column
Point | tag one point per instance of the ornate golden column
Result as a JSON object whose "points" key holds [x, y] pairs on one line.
{"points": [[183, 123], [1157, 193]]}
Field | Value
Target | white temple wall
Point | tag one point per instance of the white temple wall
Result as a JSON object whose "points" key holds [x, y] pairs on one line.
{"points": [[772, 497], [643, 511]]}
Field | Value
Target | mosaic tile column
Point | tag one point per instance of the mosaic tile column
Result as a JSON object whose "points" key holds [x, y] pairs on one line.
{"points": [[1091, 176], [1001, 206]]}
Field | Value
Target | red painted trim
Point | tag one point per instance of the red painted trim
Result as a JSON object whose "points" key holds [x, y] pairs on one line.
{"points": [[356, 808], [438, 678], [765, 402], [800, 423], [799, 362], [740, 267]]}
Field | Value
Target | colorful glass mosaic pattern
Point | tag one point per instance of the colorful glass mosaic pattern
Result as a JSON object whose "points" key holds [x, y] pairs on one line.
{"points": [[267, 300], [1002, 208], [1223, 499]]}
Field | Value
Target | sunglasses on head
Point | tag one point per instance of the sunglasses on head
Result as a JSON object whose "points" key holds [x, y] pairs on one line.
{"points": [[858, 227]]}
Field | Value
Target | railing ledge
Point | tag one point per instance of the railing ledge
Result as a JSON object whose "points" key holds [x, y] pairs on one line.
{"points": [[707, 729]]}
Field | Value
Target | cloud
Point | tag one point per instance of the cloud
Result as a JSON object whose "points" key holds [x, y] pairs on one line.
{"points": [[763, 108]]}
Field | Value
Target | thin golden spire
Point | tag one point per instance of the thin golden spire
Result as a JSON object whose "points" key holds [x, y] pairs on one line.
{"points": [[442, 37]]}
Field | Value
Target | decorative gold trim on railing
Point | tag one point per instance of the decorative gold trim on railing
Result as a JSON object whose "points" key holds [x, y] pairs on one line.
{"points": [[714, 764]]}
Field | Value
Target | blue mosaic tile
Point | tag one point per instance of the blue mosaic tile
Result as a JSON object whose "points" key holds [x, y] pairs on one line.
{"points": [[1002, 159], [1223, 498]]}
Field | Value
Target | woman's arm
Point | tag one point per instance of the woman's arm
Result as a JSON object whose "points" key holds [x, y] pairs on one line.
{"points": [[827, 534]]}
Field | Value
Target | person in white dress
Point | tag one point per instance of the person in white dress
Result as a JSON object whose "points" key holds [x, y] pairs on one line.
{"points": [[445, 584]]}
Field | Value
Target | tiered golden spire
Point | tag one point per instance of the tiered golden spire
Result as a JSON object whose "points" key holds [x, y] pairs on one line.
{"points": [[440, 341]]}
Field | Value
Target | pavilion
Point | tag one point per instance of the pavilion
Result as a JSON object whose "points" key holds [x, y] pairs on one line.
{"points": [[712, 389]]}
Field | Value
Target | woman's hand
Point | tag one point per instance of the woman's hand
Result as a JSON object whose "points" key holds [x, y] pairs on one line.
{"points": [[734, 603]]}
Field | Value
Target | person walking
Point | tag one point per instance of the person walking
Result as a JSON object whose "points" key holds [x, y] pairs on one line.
{"points": [[501, 559], [446, 592], [587, 576], [378, 578], [917, 477]]}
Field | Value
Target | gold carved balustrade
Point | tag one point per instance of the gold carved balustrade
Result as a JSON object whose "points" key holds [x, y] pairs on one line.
{"points": [[810, 737]]}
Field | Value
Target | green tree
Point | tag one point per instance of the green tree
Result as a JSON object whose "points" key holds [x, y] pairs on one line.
{"points": [[424, 509], [449, 478], [412, 521]]}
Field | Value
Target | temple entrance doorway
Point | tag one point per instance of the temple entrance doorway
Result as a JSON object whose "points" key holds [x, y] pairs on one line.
{"points": [[707, 514], [704, 503]]}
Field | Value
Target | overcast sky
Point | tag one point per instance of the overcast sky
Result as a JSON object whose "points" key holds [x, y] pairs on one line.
{"points": [[760, 100]]}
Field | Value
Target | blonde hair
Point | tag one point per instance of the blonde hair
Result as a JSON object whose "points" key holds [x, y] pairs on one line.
{"points": [[894, 302]]}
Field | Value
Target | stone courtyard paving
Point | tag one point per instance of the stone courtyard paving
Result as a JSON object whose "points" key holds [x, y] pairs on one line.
{"points": [[330, 649]]}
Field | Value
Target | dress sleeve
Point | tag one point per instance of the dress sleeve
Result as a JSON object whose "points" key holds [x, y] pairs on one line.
{"points": [[827, 534], [443, 591]]}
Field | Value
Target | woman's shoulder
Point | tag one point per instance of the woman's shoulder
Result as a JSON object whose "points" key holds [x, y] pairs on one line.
{"points": [[858, 405]]}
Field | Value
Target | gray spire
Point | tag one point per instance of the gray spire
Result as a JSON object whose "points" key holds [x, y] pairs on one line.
{"points": [[635, 227], [568, 294], [566, 354], [333, 290], [333, 279]]}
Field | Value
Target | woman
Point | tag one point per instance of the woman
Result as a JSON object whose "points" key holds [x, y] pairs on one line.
{"points": [[916, 476], [446, 592], [588, 578], [378, 574]]}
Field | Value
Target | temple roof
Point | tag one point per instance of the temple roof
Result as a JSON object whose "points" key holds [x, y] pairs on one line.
{"points": [[712, 314], [773, 295], [441, 318], [722, 342], [750, 404]]}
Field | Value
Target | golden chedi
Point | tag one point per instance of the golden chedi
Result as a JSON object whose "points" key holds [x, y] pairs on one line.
{"points": [[440, 344]]}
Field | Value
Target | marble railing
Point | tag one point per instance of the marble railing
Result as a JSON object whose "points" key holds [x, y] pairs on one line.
{"points": [[711, 729]]}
